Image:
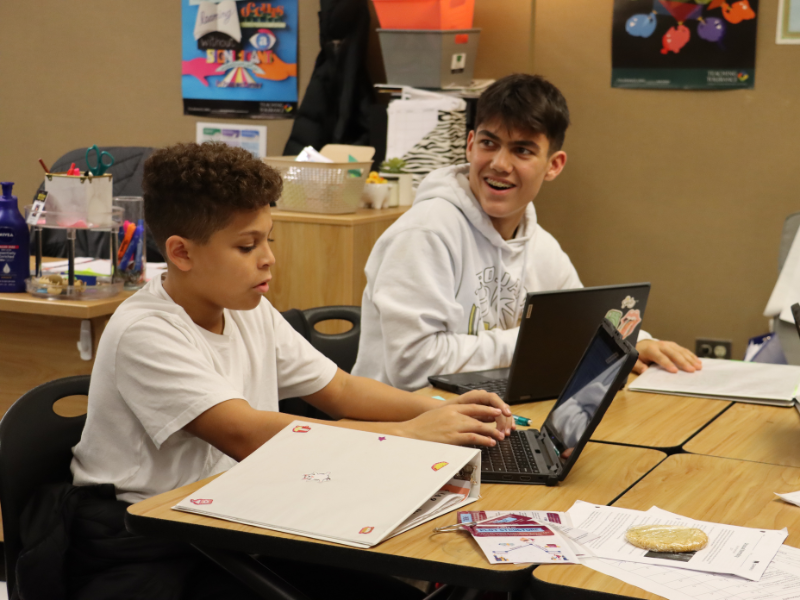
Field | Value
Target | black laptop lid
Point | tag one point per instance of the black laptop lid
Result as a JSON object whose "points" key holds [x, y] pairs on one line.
{"points": [[601, 372], [556, 328]]}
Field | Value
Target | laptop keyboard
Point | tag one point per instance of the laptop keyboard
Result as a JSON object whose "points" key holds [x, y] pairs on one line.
{"points": [[511, 455], [494, 386]]}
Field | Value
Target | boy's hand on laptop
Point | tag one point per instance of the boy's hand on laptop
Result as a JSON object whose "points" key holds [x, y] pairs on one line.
{"points": [[457, 424], [668, 355], [505, 420]]}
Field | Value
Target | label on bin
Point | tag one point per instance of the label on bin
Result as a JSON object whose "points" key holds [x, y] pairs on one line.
{"points": [[458, 62]]}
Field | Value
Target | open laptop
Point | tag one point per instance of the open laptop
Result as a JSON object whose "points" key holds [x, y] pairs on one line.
{"points": [[555, 328], [545, 457]]}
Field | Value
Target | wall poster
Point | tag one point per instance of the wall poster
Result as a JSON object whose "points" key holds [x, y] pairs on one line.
{"points": [[684, 44], [239, 58]]}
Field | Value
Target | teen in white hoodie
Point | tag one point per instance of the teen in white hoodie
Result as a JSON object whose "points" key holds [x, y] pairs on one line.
{"points": [[447, 281]]}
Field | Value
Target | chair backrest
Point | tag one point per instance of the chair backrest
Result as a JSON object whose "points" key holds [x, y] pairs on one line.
{"points": [[790, 227], [128, 170], [35, 449], [341, 348]]}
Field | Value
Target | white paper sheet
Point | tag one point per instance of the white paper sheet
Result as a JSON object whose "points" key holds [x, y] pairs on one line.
{"points": [[726, 379], [728, 551], [781, 580], [411, 120], [791, 497]]}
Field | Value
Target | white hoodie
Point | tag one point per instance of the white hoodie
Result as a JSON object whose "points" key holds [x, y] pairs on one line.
{"points": [[445, 291]]}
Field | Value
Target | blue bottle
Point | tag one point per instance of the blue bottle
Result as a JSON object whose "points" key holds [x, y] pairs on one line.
{"points": [[14, 244]]}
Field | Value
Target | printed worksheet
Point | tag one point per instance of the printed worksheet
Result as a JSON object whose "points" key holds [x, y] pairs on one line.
{"points": [[729, 549]]}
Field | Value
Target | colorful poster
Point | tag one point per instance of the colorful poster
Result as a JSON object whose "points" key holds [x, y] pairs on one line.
{"points": [[239, 58], [684, 44]]}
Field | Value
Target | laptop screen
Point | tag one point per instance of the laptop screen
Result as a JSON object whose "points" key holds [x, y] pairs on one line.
{"points": [[572, 418]]}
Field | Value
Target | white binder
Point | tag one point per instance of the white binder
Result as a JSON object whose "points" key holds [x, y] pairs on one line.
{"points": [[341, 485]]}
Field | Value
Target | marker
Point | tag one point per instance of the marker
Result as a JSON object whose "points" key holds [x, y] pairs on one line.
{"points": [[41, 162], [521, 421]]}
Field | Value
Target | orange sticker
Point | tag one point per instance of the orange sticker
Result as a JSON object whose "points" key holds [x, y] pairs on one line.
{"points": [[439, 465], [462, 38], [301, 429]]}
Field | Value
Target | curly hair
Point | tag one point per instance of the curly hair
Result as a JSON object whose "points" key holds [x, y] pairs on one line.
{"points": [[526, 103], [194, 190]]}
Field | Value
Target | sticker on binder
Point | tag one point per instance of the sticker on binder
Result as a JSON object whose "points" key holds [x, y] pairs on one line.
{"points": [[318, 477], [629, 322], [629, 302], [382, 439], [301, 429], [366, 530], [200, 501], [439, 465]]}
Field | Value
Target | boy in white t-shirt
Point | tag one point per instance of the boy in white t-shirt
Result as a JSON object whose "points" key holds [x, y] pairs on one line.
{"points": [[190, 369]]}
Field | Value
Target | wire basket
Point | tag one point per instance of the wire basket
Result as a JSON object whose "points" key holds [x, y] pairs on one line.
{"points": [[332, 188]]}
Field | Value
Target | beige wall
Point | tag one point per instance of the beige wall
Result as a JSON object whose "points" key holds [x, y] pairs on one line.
{"points": [[687, 190], [684, 189], [105, 73]]}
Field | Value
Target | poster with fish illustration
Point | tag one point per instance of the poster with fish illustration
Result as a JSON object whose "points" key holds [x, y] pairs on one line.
{"points": [[239, 59], [684, 44]]}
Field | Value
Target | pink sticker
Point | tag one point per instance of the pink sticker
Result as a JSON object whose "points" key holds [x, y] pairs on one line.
{"points": [[381, 439], [200, 501], [301, 429], [629, 322]]}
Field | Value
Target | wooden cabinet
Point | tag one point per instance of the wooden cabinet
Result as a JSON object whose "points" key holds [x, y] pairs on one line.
{"points": [[321, 258]]}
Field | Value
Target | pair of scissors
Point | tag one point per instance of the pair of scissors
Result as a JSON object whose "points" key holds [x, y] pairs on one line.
{"points": [[103, 160]]}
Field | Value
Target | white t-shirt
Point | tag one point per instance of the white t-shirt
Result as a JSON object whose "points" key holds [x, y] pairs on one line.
{"points": [[156, 371]]}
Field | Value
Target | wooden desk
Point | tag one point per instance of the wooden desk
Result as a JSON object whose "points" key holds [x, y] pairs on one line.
{"points": [[39, 340], [321, 258], [751, 432], [602, 473], [637, 418], [702, 487]]}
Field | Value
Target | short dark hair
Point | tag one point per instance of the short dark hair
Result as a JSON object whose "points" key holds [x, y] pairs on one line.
{"points": [[194, 190], [528, 103]]}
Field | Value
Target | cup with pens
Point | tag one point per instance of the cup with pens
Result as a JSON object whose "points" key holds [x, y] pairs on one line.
{"points": [[131, 242]]}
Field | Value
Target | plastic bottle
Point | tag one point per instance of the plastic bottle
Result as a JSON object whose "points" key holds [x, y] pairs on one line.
{"points": [[14, 243]]}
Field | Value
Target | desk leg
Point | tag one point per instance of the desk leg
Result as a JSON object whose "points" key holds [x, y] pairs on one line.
{"points": [[253, 574]]}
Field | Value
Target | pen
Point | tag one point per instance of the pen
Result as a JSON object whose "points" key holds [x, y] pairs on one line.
{"points": [[521, 421], [41, 162]]}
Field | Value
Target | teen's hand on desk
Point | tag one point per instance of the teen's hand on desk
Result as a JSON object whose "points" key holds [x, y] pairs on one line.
{"points": [[668, 355], [457, 424], [505, 420]]}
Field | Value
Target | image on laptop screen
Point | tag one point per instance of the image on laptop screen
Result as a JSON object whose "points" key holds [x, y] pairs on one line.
{"points": [[572, 420]]}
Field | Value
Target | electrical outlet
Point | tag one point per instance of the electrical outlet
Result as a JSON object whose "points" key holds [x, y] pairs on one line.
{"points": [[708, 348]]}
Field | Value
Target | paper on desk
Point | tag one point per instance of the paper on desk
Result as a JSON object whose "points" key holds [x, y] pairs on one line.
{"points": [[759, 383], [447, 498], [559, 520], [728, 551], [512, 537], [781, 580], [791, 497]]}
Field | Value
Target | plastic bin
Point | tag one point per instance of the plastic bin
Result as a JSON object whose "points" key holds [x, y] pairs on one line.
{"points": [[331, 188], [425, 14], [425, 58]]}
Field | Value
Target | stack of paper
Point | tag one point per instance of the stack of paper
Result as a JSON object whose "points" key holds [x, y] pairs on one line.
{"points": [[738, 562], [341, 485], [757, 383]]}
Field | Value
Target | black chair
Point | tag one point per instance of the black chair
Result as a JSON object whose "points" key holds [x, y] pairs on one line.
{"points": [[341, 348], [35, 449], [127, 170]]}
